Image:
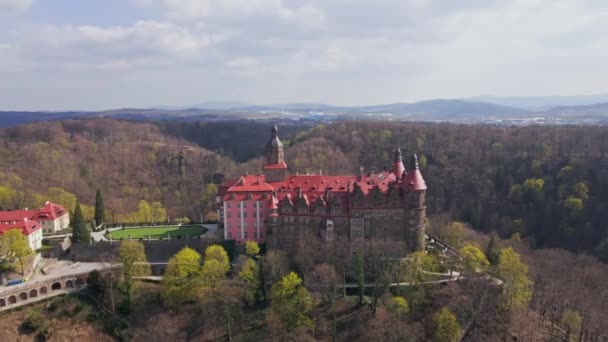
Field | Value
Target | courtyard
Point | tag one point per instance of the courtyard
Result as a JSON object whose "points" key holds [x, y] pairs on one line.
{"points": [[158, 232]]}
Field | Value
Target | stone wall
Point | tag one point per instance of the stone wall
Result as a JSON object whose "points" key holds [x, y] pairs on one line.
{"points": [[156, 250]]}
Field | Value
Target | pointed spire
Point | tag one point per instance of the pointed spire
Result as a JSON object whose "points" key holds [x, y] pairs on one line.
{"points": [[398, 157], [414, 162], [274, 148], [413, 180], [398, 167], [274, 132]]}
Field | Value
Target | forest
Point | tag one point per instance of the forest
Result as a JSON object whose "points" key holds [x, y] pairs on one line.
{"points": [[548, 184], [510, 199]]}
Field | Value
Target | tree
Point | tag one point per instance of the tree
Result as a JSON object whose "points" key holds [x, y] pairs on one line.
{"points": [[250, 276], [252, 248], [398, 306], [134, 264], [473, 259], [208, 197], [158, 212], [80, 230], [99, 209], [517, 288], [453, 233], [415, 266], [213, 273], [16, 247], [292, 303], [218, 253], [62, 197], [492, 250], [572, 321], [180, 277], [445, 326], [144, 212]]}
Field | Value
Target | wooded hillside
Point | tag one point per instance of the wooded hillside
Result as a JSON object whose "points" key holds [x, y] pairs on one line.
{"points": [[549, 183], [128, 161]]}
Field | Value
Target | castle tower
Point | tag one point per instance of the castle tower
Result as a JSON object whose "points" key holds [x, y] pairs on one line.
{"points": [[398, 167], [414, 187], [275, 169]]}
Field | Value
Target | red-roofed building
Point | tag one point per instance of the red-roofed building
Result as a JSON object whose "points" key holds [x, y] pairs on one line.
{"points": [[51, 217], [279, 208], [31, 229]]}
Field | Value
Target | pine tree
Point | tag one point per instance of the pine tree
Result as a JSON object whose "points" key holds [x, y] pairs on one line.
{"points": [[80, 231], [492, 251], [99, 209]]}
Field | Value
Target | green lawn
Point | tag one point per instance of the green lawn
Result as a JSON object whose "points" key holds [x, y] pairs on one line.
{"points": [[158, 232]]}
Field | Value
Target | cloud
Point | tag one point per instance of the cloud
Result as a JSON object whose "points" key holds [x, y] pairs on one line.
{"points": [[15, 5], [336, 51]]}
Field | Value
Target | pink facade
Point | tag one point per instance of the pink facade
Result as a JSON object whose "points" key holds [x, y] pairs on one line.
{"points": [[244, 218]]}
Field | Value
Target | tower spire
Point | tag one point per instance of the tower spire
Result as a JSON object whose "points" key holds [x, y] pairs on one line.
{"points": [[275, 169], [398, 167], [414, 162], [274, 148]]}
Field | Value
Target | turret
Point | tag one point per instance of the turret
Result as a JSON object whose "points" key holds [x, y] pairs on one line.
{"points": [[398, 167], [275, 168], [414, 187], [274, 148]]}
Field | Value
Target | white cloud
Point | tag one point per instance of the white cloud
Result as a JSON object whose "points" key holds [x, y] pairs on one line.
{"points": [[337, 51]]}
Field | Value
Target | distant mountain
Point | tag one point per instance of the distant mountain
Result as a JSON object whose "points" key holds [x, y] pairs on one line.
{"points": [[206, 105], [444, 110], [432, 110], [541, 102], [448, 110], [596, 113]]}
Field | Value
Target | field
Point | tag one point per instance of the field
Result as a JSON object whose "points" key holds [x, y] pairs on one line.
{"points": [[158, 232]]}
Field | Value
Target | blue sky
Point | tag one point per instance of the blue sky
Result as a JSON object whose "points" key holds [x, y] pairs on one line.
{"points": [[98, 54]]}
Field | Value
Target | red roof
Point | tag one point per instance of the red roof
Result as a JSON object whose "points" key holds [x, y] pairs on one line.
{"points": [[280, 165], [255, 183], [50, 211], [27, 226], [413, 181], [398, 169]]}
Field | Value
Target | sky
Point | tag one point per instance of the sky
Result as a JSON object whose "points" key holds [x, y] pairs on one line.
{"points": [[102, 54]]}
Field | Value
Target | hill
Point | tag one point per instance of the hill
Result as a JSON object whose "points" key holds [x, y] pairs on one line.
{"points": [[128, 161]]}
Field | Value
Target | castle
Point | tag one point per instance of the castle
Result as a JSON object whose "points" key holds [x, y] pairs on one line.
{"points": [[386, 207]]}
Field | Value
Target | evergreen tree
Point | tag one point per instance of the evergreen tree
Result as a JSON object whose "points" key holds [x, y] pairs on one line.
{"points": [[492, 250], [99, 209], [80, 231]]}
